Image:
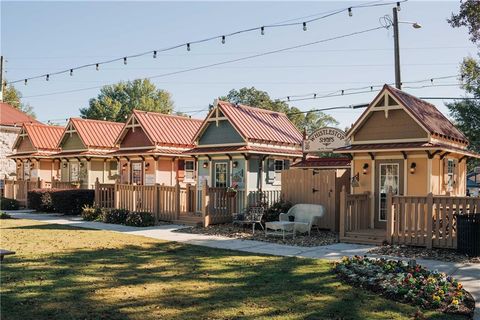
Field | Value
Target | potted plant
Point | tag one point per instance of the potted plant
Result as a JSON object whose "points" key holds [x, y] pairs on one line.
{"points": [[232, 191]]}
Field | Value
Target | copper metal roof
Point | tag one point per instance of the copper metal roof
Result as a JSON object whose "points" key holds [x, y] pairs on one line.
{"points": [[164, 129], [428, 115], [10, 116], [43, 137], [260, 125], [244, 149], [97, 133], [148, 152]]}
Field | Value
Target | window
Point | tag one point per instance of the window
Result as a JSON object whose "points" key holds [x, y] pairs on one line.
{"points": [[189, 170], [450, 173], [74, 171], [221, 175], [389, 178], [280, 165], [26, 170]]}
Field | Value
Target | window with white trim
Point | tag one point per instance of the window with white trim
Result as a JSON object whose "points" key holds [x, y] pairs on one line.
{"points": [[189, 170], [279, 165], [450, 174]]}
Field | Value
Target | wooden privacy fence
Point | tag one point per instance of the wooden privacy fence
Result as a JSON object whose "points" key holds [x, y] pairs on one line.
{"points": [[429, 221], [18, 189]]}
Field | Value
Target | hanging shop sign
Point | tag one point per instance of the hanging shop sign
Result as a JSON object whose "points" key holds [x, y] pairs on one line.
{"points": [[324, 140]]}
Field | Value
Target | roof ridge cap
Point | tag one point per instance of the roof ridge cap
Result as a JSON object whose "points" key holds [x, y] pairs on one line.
{"points": [[166, 115]]}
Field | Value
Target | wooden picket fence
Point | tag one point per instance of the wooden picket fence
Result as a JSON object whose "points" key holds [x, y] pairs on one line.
{"points": [[429, 221], [18, 189]]}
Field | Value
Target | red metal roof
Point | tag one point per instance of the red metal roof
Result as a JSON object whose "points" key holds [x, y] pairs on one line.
{"points": [[44, 137], [165, 129], [256, 124], [97, 133], [148, 152], [427, 114], [10, 116], [240, 149], [315, 162]]}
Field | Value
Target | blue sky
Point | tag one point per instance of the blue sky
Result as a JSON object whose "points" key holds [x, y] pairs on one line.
{"points": [[43, 37]]}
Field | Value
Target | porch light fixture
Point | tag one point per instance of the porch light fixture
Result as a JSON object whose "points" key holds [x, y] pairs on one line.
{"points": [[19, 165], [82, 164], [205, 164], [365, 168], [147, 165], [64, 164], [413, 167], [235, 164]]}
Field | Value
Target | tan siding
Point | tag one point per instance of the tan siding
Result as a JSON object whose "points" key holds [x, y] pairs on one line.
{"points": [[417, 182], [365, 180], [398, 125]]}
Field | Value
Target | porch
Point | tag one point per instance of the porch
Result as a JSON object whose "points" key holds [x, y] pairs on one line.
{"points": [[427, 221]]}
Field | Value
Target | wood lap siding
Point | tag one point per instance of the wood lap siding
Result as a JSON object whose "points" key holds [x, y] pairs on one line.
{"points": [[398, 125], [136, 138]]}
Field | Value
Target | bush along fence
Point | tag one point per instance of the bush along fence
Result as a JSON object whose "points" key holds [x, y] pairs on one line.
{"points": [[69, 202], [177, 203], [429, 221], [18, 189]]}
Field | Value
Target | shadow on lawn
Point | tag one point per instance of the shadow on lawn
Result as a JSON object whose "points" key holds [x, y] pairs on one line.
{"points": [[51, 226], [171, 280]]}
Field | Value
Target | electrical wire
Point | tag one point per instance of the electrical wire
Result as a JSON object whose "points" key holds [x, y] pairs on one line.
{"points": [[189, 44]]}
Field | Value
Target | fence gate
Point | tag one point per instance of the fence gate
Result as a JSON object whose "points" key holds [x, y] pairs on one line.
{"points": [[313, 187]]}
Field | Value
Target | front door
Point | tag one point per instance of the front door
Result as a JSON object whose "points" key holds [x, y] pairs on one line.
{"points": [[389, 175], [220, 175], [137, 173]]}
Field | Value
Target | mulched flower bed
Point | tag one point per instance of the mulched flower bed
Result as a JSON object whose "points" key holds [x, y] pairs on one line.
{"points": [[317, 238], [406, 283], [403, 251]]}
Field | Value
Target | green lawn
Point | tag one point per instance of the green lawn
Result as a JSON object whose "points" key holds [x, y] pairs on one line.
{"points": [[61, 272]]}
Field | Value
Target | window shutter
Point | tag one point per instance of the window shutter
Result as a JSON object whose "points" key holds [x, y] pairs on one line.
{"points": [[286, 164], [271, 171]]}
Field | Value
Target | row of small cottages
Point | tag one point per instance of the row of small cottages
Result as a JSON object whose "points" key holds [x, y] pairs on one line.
{"points": [[235, 145]]}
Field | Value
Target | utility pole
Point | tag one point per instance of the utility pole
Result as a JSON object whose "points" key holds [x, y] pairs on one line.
{"points": [[396, 41], [1, 79]]}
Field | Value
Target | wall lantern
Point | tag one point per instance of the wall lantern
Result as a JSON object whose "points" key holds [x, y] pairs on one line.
{"points": [[82, 164], [365, 168], [65, 164], [147, 165], [413, 167], [19, 165], [205, 164], [235, 164]]}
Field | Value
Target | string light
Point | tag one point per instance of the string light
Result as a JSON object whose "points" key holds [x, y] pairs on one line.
{"points": [[97, 66], [223, 39], [350, 12], [262, 31], [124, 60], [398, 6], [71, 72], [25, 81], [188, 46], [155, 54], [304, 26], [47, 77]]}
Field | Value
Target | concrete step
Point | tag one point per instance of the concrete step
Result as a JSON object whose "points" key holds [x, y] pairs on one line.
{"points": [[188, 222], [362, 240]]}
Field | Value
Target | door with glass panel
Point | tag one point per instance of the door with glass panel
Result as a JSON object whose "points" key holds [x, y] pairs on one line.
{"points": [[220, 175], [388, 176]]}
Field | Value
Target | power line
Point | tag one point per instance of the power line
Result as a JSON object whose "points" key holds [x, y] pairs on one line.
{"points": [[189, 44], [225, 62]]}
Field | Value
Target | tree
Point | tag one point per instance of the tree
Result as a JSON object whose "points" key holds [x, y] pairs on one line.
{"points": [[116, 102], [260, 99], [14, 98], [466, 113]]}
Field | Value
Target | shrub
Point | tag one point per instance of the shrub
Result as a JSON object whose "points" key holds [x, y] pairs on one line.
{"points": [[90, 213], [71, 202], [274, 211], [4, 215], [41, 200], [9, 204], [118, 216], [140, 219]]}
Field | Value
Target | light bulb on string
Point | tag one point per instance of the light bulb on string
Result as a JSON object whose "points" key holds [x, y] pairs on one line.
{"points": [[71, 72], [155, 54], [350, 13], [314, 96], [47, 77], [398, 6], [125, 60], [26, 81], [188, 46], [262, 31], [223, 39], [304, 26], [97, 67]]}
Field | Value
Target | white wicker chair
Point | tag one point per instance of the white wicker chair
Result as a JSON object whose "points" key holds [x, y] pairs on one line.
{"points": [[304, 216]]}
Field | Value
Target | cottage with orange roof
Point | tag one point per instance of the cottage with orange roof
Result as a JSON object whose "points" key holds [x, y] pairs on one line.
{"points": [[85, 147], [11, 120], [152, 146], [33, 148], [245, 147], [404, 144]]}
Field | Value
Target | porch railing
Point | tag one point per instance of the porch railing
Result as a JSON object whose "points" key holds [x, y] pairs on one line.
{"points": [[355, 213]]}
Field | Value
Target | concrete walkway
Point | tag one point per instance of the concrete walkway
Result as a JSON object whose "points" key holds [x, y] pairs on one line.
{"points": [[468, 274]]}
